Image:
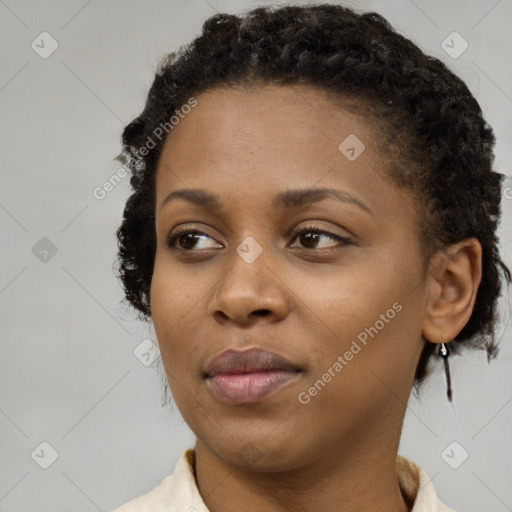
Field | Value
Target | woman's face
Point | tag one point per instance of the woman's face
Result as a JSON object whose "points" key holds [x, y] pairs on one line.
{"points": [[347, 313]]}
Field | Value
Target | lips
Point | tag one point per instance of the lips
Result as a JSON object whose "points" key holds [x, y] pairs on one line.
{"points": [[234, 362], [241, 377]]}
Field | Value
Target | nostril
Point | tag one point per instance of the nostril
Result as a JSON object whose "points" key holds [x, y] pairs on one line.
{"points": [[262, 312]]}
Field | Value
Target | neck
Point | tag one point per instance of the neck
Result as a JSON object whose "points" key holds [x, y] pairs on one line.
{"points": [[343, 480]]}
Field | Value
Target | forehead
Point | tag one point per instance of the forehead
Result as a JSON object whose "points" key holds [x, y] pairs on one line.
{"points": [[275, 134], [247, 147]]}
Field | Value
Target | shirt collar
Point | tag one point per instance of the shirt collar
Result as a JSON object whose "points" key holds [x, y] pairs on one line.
{"points": [[178, 492]]}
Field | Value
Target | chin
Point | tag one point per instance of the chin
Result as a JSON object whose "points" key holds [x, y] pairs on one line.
{"points": [[262, 453]]}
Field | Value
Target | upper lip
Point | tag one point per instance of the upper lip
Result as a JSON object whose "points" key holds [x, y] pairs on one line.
{"points": [[234, 362]]}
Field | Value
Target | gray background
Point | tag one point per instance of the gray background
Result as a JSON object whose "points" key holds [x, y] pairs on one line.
{"points": [[69, 371]]}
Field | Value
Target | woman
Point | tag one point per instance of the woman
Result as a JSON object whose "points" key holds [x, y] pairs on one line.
{"points": [[313, 220]]}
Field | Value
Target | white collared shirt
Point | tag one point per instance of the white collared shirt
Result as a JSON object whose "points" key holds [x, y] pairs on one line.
{"points": [[178, 492]]}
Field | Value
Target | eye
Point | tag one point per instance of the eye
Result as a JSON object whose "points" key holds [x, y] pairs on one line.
{"points": [[310, 235], [186, 238]]}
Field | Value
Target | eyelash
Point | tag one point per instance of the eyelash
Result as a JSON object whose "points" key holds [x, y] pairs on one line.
{"points": [[171, 241]]}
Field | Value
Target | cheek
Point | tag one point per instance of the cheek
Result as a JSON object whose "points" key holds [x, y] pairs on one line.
{"points": [[369, 312], [176, 291], [175, 303], [352, 297]]}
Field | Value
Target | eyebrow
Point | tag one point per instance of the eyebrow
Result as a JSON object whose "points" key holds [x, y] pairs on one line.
{"points": [[289, 199]]}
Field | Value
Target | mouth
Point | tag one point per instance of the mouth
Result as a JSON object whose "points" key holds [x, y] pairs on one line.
{"points": [[241, 377]]}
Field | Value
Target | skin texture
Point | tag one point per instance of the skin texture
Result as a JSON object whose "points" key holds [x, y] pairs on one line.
{"points": [[306, 300]]}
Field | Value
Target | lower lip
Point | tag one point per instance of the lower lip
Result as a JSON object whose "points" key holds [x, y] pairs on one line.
{"points": [[248, 387]]}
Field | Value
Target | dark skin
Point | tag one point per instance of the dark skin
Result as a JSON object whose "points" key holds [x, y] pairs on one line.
{"points": [[338, 451]]}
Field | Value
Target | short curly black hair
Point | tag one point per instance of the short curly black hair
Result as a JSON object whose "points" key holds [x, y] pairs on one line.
{"points": [[438, 146]]}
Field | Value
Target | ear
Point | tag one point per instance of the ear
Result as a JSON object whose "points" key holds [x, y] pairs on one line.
{"points": [[453, 280]]}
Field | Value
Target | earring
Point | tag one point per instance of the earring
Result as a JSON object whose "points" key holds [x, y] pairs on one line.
{"points": [[444, 352]]}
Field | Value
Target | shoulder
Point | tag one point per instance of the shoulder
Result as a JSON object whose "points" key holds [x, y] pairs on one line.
{"points": [[155, 500], [175, 493], [417, 487]]}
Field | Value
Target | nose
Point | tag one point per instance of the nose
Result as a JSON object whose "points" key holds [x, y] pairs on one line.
{"points": [[248, 292]]}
